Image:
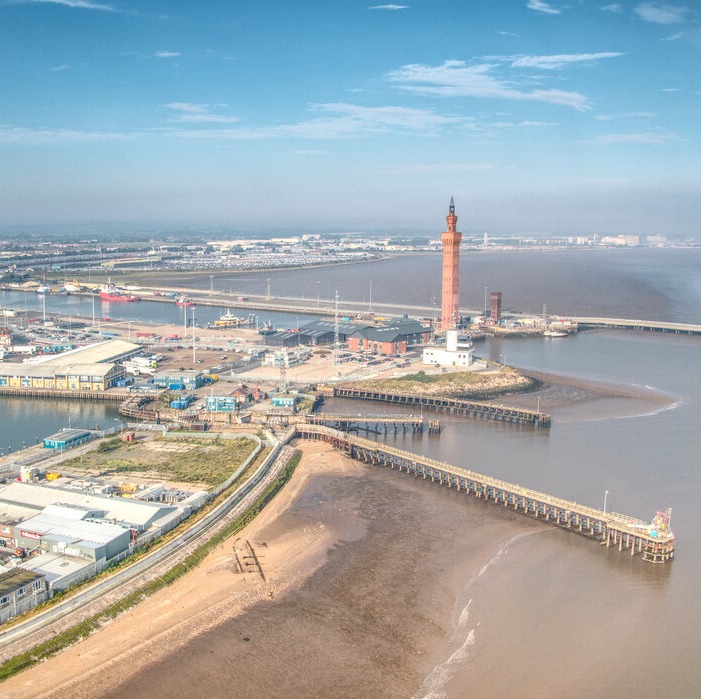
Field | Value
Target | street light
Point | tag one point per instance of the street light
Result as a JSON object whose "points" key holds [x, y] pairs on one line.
{"points": [[606, 494]]}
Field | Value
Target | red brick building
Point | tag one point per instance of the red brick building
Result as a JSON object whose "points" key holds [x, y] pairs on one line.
{"points": [[393, 338]]}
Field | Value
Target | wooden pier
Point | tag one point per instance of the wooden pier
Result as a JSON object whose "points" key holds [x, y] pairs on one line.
{"points": [[139, 408], [655, 542], [454, 406], [369, 423]]}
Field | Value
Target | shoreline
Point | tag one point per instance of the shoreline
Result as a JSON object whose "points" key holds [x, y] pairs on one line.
{"points": [[302, 536], [164, 622]]}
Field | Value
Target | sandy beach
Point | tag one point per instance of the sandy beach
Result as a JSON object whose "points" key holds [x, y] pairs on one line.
{"points": [[327, 616], [211, 593]]}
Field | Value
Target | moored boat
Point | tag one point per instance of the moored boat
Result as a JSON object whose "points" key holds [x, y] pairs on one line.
{"points": [[109, 292], [229, 320]]}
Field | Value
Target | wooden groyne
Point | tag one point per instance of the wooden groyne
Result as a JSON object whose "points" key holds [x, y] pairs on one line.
{"points": [[655, 542], [454, 406]]}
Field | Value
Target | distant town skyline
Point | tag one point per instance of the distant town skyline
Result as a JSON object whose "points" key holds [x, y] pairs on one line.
{"points": [[539, 118]]}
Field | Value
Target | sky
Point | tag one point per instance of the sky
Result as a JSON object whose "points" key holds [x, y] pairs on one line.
{"points": [[539, 118]]}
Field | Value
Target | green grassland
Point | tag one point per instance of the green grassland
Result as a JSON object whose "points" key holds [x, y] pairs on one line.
{"points": [[204, 462], [454, 384]]}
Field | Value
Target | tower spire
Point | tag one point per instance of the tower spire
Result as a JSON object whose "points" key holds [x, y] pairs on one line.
{"points": [[450, 306]]}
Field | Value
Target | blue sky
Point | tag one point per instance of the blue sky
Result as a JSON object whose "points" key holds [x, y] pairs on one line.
{"points": [[341, 115]]}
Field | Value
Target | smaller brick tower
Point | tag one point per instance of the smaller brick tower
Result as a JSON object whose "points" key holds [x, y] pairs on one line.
{"points": [[450, 307]]}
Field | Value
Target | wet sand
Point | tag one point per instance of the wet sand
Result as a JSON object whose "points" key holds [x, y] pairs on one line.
{"points": [[567, 397], [363, 567]]}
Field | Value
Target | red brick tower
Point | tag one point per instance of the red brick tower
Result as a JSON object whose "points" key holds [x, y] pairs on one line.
{"points": [[451, 272]]}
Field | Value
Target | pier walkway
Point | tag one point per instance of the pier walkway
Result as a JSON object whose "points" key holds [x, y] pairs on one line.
{"points": [[654, 541], [369, 423], [455, 406], [628, 324]]}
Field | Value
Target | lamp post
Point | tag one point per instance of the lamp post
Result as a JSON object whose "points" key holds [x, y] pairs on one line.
{"points": [[606, 494]]}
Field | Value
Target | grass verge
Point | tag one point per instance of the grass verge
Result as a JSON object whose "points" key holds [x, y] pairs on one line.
{"points": [[85, 628]]}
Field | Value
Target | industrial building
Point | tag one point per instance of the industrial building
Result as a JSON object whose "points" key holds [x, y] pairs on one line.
{"points": [[315, 332], [285, 400], [73, 531], [107, 352], [60, 571], [22, 501], [93, 368], [287, 357], [179, 380], [60, 376], [68, 438], [20, 591], [393, 338]]}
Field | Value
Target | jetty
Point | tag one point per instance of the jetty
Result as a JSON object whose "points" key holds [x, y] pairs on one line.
{"points": [[369, 423], [653, 541], [455, 406]]}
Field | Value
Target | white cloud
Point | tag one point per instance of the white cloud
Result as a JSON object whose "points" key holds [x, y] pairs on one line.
{"points": [[552, 62], [58, 69], [78, 4], [339, 121], [659, 13], [645, 138], [674, 37], [625, 115], [14, 134], [166, 54], [192, 113], [541, 6], [614, 7], [456, 79], [388, 7]]}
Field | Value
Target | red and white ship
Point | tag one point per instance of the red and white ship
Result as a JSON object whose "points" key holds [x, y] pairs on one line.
{"points": [[109, 292], [184, 301]]}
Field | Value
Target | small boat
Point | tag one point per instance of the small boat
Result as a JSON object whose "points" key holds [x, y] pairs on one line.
{"points": [[184, 301], [43, 289], [266, 329], [550, 332]]}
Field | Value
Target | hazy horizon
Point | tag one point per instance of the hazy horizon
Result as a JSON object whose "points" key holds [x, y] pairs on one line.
{"points": [[540, 118]]}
